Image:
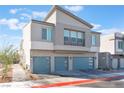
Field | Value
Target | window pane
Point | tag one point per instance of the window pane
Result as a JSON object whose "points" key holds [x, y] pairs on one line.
{"points": [[120, 44], [66, 33], [93, 40], [66, 37], [79, 35], [73, 34], [80, 42], [80, 39], [73, 38], [49, 34], [44, 34]]}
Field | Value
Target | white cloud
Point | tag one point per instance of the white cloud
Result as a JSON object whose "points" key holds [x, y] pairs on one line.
{"points": [[16, 24], [96, 26], [5, 36], [26, 15], [14, 11], [12, 23], [110, 31], [74, 8], [37, 14], [105, 31], [34, 14]]}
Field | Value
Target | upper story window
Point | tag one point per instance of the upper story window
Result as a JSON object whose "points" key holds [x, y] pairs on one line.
{"points": [[66, 37], [66, 33], [47, 34], [81, 38], [94, 40], [120, 45], [75, 38]]}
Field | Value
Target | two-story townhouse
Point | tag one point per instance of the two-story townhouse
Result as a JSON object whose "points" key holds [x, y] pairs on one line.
{"points": [[114, 44], [62, 42]]}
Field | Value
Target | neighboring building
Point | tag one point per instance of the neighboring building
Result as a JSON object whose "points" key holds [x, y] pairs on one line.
{"points": [[114, 43], [62, 42], [104, 59]]}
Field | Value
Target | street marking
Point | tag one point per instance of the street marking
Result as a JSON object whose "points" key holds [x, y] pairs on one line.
{"points": [[78, 82]]}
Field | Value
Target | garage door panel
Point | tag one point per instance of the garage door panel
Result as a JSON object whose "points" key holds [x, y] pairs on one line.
{"points": [[61, 63], [82, 63], [122, 63], [41, 65], [114, 63]]}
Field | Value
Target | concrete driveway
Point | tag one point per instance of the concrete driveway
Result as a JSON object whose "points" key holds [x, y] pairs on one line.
{"points": [[30, 83], [18, 73]]}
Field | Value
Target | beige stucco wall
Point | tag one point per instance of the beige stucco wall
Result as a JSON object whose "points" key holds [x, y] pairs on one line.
{"points": [[62, 21], [110, 44], [117, 50], [60, 53], [42, 45], [36, 29], [97, 39], [107, 43], [66, 19], [52, 18], [27, 43]]}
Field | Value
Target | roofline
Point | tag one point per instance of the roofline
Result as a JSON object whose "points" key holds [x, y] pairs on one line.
{"points": [[96, 32], [42, 22], [68, 13], [26, 24]]}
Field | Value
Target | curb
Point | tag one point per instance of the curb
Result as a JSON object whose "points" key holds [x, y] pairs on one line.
{"points": [[60, 84]]}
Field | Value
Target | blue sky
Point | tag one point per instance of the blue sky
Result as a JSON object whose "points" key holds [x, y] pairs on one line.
{"points": [[106, 19]]}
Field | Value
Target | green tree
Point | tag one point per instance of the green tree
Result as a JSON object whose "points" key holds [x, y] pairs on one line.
{"points": [[7, 57]]}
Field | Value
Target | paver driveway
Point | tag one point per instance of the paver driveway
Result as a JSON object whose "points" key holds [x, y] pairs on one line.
{"points": [[18, 73]]}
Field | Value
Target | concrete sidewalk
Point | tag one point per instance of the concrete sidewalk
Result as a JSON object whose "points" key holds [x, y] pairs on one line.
{"points": [[29, 84], [18, 73]]}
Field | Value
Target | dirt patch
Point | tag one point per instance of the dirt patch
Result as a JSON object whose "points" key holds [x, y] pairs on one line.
{"points": [[33, 77], [29, 75], [8, 78]]}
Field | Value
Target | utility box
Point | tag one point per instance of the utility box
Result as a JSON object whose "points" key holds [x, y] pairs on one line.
{"points": [[104, 60]]}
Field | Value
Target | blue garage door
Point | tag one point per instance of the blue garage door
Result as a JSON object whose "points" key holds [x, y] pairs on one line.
{"points": [[83, 63], [41, 65], [61, 64]]}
